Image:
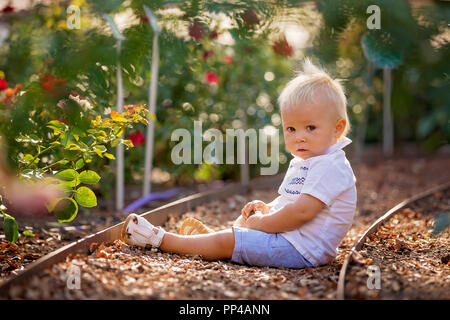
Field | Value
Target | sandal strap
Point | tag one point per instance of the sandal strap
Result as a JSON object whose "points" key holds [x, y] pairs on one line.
{"points": [[143, 232]]}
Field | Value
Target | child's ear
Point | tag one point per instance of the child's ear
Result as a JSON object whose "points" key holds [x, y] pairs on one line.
{"points": [[340, 127]]}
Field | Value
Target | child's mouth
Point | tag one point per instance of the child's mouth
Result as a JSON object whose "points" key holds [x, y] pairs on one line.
{"points": [[301, 150]]}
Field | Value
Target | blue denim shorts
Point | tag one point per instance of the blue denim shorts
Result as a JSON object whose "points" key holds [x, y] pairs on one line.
{"points": [[258, 248]]}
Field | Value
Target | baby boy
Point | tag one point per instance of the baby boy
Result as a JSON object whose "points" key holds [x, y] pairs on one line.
{"points": [[305, 224]]}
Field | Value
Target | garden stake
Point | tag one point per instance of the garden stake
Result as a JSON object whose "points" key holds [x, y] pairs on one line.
{"points": [[388, 130], [119, 152], [387, 58], [153, 89]]}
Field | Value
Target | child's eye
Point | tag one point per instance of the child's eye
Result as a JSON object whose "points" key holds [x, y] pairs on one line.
{"points": [[290, 129], [310, 128]]}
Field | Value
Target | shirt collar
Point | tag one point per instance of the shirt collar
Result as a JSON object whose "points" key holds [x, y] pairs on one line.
{"points": [[342, 142]]}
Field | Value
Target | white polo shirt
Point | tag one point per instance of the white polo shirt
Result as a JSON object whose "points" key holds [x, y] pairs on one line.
{"points": [[329, 178]]}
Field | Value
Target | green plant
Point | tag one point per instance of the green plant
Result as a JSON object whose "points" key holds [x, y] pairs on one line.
{"points": [[71, 149]]}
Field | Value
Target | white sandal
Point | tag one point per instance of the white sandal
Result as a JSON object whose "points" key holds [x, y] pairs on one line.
{"points": [[138, 231]]}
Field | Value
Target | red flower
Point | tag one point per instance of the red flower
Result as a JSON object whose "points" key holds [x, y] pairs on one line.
{"points": [[137, 138], [48, 86], [207, 54], [9, 92], [196, 30], [211, 78], [283, 48], [3, 84], [50, 83], [143, 18], [228, 59], [250, 17], [8, 9], [213, 34]]}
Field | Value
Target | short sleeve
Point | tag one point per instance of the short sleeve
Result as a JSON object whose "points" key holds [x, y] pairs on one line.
{"points": [[326, 180]]}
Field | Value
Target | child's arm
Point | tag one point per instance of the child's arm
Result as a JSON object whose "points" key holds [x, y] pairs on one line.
{"points": [[290, 217]]}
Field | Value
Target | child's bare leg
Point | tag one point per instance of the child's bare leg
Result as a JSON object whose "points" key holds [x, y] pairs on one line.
{"points": [[212, 246]]}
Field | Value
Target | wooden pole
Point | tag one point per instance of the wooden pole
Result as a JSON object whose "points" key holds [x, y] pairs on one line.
{"points": [[245, 171], [153, 89], [388, 130], [120, 193], [120, 198]]}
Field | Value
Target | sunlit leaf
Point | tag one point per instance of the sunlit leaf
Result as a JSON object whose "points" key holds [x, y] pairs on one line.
{"points": [[86, 197], [89, 177], [65, 209], [10, 227]]}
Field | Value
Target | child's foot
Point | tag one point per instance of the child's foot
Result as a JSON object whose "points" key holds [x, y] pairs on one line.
{"points": [[139, 232], [192, 226]]}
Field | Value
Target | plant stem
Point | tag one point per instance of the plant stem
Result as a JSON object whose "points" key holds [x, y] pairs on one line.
{"points": [[35, 157]]}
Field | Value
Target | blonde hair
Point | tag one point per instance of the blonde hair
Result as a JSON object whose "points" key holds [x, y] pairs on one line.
{"points": [[305, 85]]}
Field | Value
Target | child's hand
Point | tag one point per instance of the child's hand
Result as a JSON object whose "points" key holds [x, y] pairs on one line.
{"points": [[253, 207]]}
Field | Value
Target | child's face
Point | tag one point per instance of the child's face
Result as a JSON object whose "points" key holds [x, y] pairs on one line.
{"points": [[310, 128]]}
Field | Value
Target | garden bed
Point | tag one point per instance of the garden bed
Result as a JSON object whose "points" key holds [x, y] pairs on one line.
{"points": [[117, 271], [413, 262]]}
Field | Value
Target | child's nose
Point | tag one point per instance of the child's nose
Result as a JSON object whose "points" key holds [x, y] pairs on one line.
{"points": [[300, 137]]}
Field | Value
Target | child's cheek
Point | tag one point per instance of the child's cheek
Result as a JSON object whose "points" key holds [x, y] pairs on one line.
{"points": [[288, 142]]}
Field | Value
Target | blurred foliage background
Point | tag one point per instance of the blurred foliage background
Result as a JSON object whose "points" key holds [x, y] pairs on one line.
{"points": [[221, 62]]}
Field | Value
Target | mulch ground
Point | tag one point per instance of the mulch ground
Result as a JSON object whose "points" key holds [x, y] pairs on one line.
{"points": [[412, 261], [117, 271]]}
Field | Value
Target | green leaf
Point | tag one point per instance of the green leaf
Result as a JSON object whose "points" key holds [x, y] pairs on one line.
{"points": [[87, 157], [70, 184], [128, 144], [89, 177], [120, 132], [58, 127], [11, 228], [115, 143], [101, 147], [28, 233], [110, 156], [28, 158], [86, 197], [68, 175], [65, 209], [98, 152], [79, 164], [75, 147], [58, 124], [32, 138]]}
